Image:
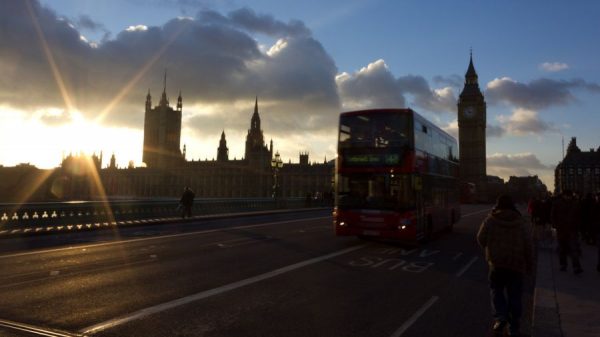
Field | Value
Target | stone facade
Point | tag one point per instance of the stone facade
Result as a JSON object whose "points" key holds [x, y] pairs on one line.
{"points": [[579, 171]]}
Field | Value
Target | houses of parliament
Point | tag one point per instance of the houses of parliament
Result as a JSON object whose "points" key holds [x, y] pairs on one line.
{"points": [[167, 171]]}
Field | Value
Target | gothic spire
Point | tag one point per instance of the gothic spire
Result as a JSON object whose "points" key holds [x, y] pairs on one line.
{"points": [[471, 75], [255, 122], [148, 101], [179, 102], [223, 151], [164, 100]]}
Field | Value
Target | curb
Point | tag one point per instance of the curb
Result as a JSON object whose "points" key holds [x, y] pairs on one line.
{"points": [[546, 315]]}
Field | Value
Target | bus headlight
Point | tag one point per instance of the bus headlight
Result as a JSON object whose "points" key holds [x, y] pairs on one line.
{"points": [[401, 227], [342, 224]]}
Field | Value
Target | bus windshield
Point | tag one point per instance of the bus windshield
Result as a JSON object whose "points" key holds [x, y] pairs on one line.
{"points": [[375, 191], [380, 130]]}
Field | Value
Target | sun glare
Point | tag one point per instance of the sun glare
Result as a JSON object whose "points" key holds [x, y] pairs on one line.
{"points": [[48, 135]]}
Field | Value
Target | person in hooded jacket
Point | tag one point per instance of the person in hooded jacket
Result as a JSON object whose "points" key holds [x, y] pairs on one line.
{"points": [[508, 250]]}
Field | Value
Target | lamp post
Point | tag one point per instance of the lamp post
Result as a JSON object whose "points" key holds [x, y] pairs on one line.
{"points": [[276, 164]]}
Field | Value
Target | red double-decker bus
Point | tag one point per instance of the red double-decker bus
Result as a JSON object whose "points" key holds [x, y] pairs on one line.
{"points": [[396, 176]]}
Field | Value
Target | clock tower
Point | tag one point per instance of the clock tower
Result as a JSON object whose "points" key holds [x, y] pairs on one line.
{"points": [[471, 133]]}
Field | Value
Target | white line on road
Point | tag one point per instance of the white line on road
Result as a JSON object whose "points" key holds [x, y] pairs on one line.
{"points": [[207, 293], [478, 212], [158, 237], [415, 317], [34, 330], [457, 256], [464, 269]]}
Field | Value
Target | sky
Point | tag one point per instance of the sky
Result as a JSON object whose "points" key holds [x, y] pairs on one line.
{"points": [[74, 74]]}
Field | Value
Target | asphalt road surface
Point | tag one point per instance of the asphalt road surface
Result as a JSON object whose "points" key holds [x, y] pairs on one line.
{"points": [[271, 275]]}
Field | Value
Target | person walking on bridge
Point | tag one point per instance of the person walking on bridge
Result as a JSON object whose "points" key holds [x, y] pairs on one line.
{"points": [[507, 243], [186, 202], [566, 217]]}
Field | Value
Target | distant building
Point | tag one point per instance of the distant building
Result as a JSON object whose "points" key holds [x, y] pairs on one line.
{"points": [[495, 187], [521, 189], [472, 112], [579, 171], [162, 132], [25, 182], [167, 171]]}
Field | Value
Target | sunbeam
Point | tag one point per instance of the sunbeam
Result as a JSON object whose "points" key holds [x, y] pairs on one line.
{"points": [[50, 57], [127, 88]]}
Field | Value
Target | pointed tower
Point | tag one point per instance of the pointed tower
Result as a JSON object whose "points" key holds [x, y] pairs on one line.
{"points": [[162, 132], [113, 162], [148, 101], [164, 101], [254, 140], [179, 102], [471, 133], [223, 151]]}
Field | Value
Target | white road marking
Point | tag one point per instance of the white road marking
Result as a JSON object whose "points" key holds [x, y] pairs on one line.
{"points": [[34, 330], [208, 293], [401, 330], [478, 212], [158, 237], [54, 273], [464, 269], [457, 256], [234, 242]]}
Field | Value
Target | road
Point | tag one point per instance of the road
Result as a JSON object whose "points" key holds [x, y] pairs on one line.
{"points": [[269, 275]]}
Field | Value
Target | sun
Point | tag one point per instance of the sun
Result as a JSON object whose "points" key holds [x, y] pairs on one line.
{"points": [[44, 137]]}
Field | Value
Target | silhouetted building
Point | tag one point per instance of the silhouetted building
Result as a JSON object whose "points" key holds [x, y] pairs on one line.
{"points": [[25, 183], [162, 132], [495, 187], [168, 171], [521, 189], [471, 133], [579, 171], [223, 151]]}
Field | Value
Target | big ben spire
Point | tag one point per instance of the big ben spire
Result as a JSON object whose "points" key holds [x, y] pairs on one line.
{"points": [[471, 75], [472, 117]]}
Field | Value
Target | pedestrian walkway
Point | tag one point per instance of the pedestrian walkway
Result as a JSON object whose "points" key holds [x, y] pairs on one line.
{"points": [[566, 305]]}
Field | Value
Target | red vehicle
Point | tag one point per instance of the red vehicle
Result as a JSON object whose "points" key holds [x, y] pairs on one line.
{"points": [[396, 176]]}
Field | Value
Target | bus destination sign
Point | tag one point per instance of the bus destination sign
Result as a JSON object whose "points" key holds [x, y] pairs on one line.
{"points": [[372, 159]]}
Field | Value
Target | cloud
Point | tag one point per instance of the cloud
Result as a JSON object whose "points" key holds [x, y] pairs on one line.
{"points": [[452, 128], [494, 131], [86, 22], [553, 66], [520, 164], [538, 94], [455, 81], [374, 86], [212, 58], [266, 24], [526, 122], [54, 117]]}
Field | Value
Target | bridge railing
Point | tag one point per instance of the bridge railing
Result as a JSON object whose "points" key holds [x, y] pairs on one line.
{"points": [[105, 213]]}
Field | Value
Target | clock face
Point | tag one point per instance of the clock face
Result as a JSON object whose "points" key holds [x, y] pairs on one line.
{"points": [[469, 112]]}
